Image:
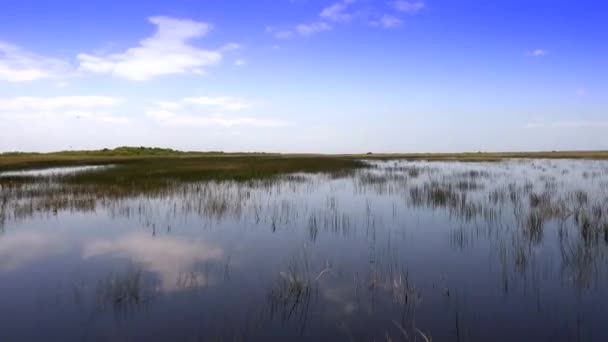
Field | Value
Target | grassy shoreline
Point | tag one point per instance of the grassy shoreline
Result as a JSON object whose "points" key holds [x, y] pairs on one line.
{"points": [[153, 165], [19, 160]]}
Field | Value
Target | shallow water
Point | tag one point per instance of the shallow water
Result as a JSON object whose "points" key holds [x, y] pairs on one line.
{"points": [[55, 171], [402, 251]]}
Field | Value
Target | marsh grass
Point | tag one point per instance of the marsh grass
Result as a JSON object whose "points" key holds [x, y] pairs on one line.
{"points": [[295, 290], [157, 171], [124, 291], [126, 154], [521, 214], [485, 201]]}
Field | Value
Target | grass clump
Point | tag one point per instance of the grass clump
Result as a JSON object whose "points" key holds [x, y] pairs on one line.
{"points": [[160, 170]]}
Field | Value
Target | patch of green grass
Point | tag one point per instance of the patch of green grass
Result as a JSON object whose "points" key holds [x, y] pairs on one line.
{"points": [[161, 162], [212, 168], [160, 170], [119, 155]]}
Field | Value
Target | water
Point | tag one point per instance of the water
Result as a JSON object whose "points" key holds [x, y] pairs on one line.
{"points": [[401, 251], [56, 171]]}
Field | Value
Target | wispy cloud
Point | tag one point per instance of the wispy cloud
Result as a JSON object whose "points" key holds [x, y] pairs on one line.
{"points": [[337, 12], [409, 7], [218, 120], [301, 29], [387, 21], [312, 28], [346, 11], [25, 103], [23, 247], [222, 103], [168, 51], [537, 53], [168, 258], [279, 33], [569, 124], [208, 112], [19, 65], [92, 108]]}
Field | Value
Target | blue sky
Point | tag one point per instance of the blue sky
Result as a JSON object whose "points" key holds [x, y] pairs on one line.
{"points": [[304, 75]]}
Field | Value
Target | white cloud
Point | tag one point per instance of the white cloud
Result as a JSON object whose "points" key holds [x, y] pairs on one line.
{"points": [[230, 47], [279, 33], [570, 124], [191, 112], [25, 103], [99, 116], [240, 62], [169, 105], [346, 11], [409, 7], [312, 28], [216, 120], [337, 12], [92, 108], [18, 65], [167, 257], [222, 103], [387, 21], [537, 53], [167, 52], [302, 29], [23, 247]]}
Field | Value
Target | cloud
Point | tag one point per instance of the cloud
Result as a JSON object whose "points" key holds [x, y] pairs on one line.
{"points": [[409, 7], [52, 103], [570, 124], [346, 11], [167, 52], [52, 108], [99, 116], [18, 65], [21, 248], [167, 257], [222, 103], [312, 28], [168, 105], [240, 62], [537, 53], [208, 112], [302, 29], [387, 21], [279, 33], [230, 47], [337, 12], [216, 120]]}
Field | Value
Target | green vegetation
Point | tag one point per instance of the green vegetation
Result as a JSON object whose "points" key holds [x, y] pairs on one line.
{"points": [[240, 168], [119, 155], [143, 164]]}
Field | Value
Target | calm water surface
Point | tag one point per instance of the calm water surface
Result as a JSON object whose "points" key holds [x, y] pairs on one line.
{"points": [[402, 251], [55, 171]]}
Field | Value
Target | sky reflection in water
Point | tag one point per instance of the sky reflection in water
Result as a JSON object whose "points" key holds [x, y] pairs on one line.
{"points": [[454, 251]]}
